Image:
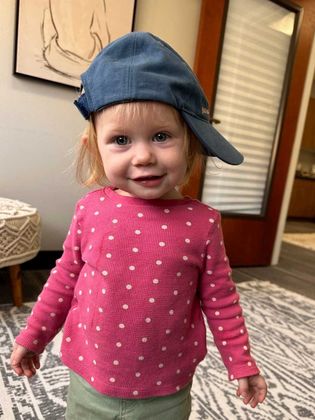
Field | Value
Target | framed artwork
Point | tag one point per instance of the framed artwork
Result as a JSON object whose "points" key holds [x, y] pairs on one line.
{"points": [[56, 40]]}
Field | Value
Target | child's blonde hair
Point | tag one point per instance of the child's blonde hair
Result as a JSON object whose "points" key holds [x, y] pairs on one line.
{"points": [[89, 165]]}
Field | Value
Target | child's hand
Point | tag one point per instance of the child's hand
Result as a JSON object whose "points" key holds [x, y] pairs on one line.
{"points": [[24, 361], [252, 389]]}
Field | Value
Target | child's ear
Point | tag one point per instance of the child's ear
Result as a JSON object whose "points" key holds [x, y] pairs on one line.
{"points": [[84, 139]]}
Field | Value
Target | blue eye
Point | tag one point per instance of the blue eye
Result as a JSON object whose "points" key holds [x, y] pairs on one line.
{"points": [[121, 140], [160, 137]]}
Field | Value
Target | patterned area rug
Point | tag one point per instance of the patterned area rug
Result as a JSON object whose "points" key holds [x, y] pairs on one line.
{"points": [[305, 240], [281, 325]]}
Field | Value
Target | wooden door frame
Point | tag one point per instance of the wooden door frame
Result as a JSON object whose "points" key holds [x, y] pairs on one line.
{"points": [[208, 51]]}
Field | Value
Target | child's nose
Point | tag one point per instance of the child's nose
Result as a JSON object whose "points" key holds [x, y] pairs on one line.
{"points": [[143, 154]]}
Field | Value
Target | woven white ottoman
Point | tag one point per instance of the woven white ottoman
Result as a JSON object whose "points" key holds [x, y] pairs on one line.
{"points": [[19, 240]]}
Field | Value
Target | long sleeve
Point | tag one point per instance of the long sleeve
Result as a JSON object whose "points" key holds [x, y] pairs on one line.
{"points": [[220, 303], [53, 304]]}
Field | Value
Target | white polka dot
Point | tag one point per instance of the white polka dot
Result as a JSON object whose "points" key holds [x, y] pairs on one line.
{"points": [[103, 291], [156, 281], [102, 198], [171, 312], [121, 326], [140, 215], [185, 258], [101, 310], [217, 313], [159, 383], [158, 262], [72, 275], [178, 371], [125, 306], [164, 348], [44, 328], [96, 213], [212, 285], [232, 377], [132, 268], [162, 244], [141, 358], [81, 358], [135, 393], [119, 205], [209, 272], [179, 354], [35, 341], [68, 339], [167, 331], [148, 320], [108, 255], [245, 348], [98, 328], [224, 343], [179, 274], [111, 237], [52, 314], [188, 223], [242, 331], [164, 227], [211, 220], [151, 300], [118, 344], [175, 292], [137, 374], [135, 250], [116, 362], [112, 380], [90, 291], [138, 232], [128, 286], [104, 273], [94, 362], [220, 328], [161, 365], [114, 221], [187, 240], [96, 345], [230, 359], [60, 300], [196, 343], [249, 363], [92, 378], [93, 229], [81, 207], [214, 299]]}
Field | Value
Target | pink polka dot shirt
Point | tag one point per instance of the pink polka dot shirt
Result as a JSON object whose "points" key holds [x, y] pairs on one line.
{"points": [[130, 291]]}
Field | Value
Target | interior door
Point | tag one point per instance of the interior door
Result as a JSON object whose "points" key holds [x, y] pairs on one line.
{"points": [[250, 226]]}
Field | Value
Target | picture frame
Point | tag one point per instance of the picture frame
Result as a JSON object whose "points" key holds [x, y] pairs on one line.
{"points": [[56, 40]]}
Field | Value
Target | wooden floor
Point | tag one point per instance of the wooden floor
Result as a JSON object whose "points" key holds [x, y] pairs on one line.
{"points": [[295, 271]]}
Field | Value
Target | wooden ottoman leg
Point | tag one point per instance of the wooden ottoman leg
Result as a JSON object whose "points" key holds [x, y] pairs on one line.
{"points": [[16, 284]]}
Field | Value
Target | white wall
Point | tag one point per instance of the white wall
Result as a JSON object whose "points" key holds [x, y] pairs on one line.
{"points": [[39, 126]]}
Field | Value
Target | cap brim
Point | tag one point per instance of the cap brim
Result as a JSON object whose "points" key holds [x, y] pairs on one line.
{"points": [[212, 141]]}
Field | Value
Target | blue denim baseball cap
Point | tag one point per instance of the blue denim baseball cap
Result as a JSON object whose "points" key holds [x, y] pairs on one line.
{"points": [[141, 67]]}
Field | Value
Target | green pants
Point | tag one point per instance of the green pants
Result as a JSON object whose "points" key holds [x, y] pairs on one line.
{"points": [[84, 402]]}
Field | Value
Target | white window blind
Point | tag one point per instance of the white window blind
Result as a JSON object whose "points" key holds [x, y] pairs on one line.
{"points": [[250, 87]]}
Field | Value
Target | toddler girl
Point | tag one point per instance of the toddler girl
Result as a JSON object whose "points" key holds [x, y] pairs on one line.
{"points": [[141, 263]]}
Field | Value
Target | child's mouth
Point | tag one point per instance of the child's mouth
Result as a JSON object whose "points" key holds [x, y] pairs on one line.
{"points": [[149, 181]]}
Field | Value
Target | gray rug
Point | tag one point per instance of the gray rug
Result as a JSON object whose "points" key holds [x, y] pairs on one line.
{"points": [[281, 325]]}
